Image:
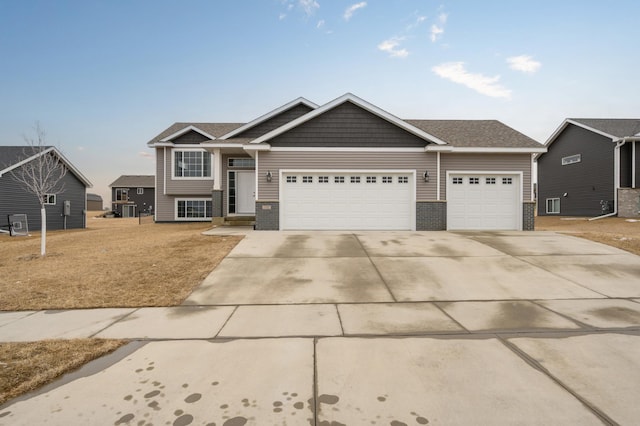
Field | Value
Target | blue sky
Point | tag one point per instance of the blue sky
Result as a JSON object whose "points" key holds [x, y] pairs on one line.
{"points": [[104, 77]]}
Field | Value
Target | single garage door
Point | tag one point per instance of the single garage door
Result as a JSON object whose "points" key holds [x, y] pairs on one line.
{"points": [[347, 200], [483, 202]]}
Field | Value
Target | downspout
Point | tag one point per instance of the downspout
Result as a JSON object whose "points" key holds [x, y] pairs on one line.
{"points": [[616, 171]]}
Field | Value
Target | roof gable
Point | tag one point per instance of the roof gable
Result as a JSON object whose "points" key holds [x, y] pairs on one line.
{"points": [[360, 104], [273, 119], [209, 130]]}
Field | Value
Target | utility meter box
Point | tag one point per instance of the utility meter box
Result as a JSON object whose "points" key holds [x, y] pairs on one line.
{"points": [[67, 208]]}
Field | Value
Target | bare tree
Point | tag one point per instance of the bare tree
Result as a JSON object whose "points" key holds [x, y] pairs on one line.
{"points": [[42, 176]]}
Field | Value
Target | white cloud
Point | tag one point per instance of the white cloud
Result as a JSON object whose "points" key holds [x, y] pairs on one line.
{"points": [[145, 154], [488, 86], [308, 6], [352, 9], [320, 24], [438, 29], [419, 20], [524, 63], [443, 18], [391, 47], [282, 16]]}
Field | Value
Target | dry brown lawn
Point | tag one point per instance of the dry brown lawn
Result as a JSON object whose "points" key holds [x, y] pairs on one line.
{"points": [[112, 263], [614, 231], [27, 366]]}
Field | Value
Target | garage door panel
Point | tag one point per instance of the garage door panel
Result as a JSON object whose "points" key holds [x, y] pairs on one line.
{"points": [[345, 201]]}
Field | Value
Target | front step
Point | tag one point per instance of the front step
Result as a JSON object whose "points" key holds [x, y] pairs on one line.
{"points": [[239, 221]]}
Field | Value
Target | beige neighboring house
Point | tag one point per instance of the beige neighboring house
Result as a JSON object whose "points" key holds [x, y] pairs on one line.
{"points": [[346, 165]]}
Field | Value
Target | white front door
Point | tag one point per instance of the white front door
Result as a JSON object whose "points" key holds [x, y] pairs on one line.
{"points": [[246, 192]]}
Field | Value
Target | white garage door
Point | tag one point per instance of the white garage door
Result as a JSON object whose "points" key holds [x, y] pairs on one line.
{"points": [[347, 200], [483, 202]]}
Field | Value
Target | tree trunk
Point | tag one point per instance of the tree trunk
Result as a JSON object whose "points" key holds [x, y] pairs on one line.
{"points": [[43, 238]]}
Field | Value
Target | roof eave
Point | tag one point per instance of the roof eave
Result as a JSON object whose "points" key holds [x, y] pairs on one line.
{"points": [[186, 130]]}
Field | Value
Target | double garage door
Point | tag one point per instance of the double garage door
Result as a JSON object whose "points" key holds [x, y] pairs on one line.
{"points": [[380, 200], [347, 200]]}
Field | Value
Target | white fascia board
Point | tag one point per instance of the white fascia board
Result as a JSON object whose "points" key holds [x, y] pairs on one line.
{"points": [[185, 130], [496, 150], [568, 121], [160, 144], [269, 115], [209, 145], [261, 147], [343, 149], [25, 161], [361, 103], [438, 148]]}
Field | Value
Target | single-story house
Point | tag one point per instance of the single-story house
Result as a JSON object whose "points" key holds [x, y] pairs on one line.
{"points": [[591, 169], [65, 210], [94, 202], [346, 165], [132, 195]]}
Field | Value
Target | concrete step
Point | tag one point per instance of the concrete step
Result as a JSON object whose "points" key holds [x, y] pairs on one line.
{"points": [[239, 221]]}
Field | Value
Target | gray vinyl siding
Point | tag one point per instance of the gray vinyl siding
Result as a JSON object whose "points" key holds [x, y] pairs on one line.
{"points": [[191, 137], [141, 201], [275, 122], [186, 186], [586, 183], [348, 125], [487, 162], [165, 205], [14, 199], [274, 161]]}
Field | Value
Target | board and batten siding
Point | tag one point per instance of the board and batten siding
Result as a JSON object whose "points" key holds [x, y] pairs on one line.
{"points": [[489, 163], [275, 122], [287, 160]]}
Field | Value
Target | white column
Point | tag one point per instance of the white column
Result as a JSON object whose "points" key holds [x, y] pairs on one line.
{"points": [[217, 169]]}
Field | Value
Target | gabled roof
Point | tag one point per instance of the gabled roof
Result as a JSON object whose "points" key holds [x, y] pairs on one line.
{"points": [[210, 130], [134, 181], [12, 157], [476, 133], [613, 128], [269, 115], [359, 102]]}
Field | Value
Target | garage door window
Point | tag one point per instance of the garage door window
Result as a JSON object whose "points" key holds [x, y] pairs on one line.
{"points": [[474, 181], [490, 181], [507, 181], [387, 179], [355, 179], [371, 179], [338, 179], [323, 179], [307, 179], [403, 179], [457, 181], [291, 179], [553, 205]]}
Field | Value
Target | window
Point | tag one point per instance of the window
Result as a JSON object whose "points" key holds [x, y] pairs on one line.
{"points": [[242, 162], [291, 179], [572, 159], [457, 181], [140, 191], [403, 179], [338, 179], [49, 199], [387, 179], [355, 179], [192, 164], [122, 194], [474, 181], [193, 209], [371, 179], [307, 179], [507, 181], [323, 179], [553, 205], [490, 181]]}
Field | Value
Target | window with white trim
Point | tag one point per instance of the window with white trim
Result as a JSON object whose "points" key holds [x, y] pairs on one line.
{"points": [[323, 179], [140, 191], [193, 209], [191, 164], [291, 179], [241, 162], [571, 159], [507, 181], [355, 179], [49, 199], [307, 179], [553, 205], [403, 179], [457, 181], [122, 194], [338, 179]]}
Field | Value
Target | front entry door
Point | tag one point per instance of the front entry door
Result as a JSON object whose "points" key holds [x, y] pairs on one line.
{"points": [[246, 192]]}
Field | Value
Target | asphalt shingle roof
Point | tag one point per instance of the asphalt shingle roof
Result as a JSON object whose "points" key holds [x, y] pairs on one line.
{"points": [[619, 127], [134, 181], [213, 129]]}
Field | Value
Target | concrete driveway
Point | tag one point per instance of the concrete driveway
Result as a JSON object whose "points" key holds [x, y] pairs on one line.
{"points": [[381, 328]]}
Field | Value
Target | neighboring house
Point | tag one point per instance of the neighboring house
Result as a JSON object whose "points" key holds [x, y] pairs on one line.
{"points": [[15, 199], [132, 195], [346, 165], [94, 202], [591, 169]]}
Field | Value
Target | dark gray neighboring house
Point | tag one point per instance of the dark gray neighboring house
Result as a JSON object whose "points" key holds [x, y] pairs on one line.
{"points": [[591, 169], [346, 165], [132, 195], [14, 199]]}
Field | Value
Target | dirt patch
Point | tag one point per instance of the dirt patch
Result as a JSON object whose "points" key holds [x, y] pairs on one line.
{"points": [[27, 366], [113, 263], [614, 231]]}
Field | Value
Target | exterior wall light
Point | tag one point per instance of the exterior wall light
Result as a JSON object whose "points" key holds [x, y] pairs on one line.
{"points": [[269, 176], [426, 175]]}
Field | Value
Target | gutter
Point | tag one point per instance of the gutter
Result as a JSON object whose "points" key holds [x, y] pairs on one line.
{"points": [[616, 170]]}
